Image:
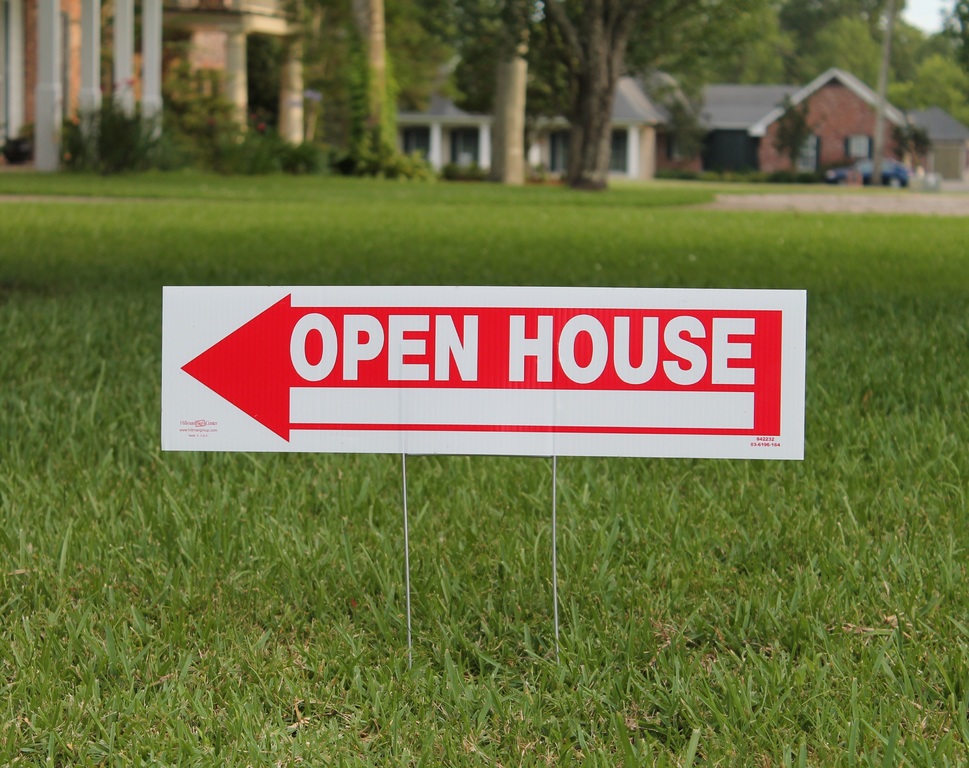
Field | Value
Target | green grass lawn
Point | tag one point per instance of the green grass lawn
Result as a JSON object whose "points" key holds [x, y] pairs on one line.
{"points": [[249, 609]]}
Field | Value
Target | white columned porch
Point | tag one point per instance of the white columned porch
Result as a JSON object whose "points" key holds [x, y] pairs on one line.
{"points": [[124, 54], [632, 152], [48, 109], [484, 146], [236, 82], [89, 97], [291, 93], [435, 152], [14, 74], [151, 61]]}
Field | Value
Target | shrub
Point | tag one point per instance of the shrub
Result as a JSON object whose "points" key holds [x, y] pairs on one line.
{"points": [[302, 158], [781, 177], [109, 140], [681, 174], [455, 172]]}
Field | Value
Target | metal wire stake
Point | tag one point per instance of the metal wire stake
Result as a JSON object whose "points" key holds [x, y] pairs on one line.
{"points": [[555, 580], [410, 645]]}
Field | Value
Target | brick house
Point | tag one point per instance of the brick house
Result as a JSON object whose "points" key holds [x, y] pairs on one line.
{"points": [[742, 123]]}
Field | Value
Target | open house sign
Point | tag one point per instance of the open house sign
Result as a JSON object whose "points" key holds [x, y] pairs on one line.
{"points": [[485, 370]]}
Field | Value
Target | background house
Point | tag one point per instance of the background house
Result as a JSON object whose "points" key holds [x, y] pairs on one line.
{"points": [[949, 154], [742, 122], [444, 134]]}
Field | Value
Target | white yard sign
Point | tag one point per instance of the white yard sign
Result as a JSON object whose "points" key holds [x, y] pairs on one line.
{"points": [[485, 370]]}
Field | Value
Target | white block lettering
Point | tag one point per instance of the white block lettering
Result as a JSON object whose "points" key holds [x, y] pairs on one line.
{"points": [[621, 353], [448, 345], [520, 347], [725, 350], [307, 324], [356, 350], [583, 374], [684, 349], [399, 347]]}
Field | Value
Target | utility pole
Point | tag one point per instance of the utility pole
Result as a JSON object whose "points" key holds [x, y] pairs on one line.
{"points": [[876, 168]]}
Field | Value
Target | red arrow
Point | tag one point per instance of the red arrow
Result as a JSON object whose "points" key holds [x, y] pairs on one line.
{"points": [[252, 368]]}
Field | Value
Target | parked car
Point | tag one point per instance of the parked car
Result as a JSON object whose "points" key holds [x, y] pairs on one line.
{"points": [[894, 174]]}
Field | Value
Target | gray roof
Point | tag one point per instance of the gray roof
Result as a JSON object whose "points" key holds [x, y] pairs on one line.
{"points": [[738, 107], [632, 106], [940, 125], [444, 110]]}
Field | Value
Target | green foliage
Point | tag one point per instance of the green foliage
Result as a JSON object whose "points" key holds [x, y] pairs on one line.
{"points": [[793, 130], [939, 81], [742, 177], [847, 43], [419, 35], [263, 65], [373, 139], [455, 172], [198, 121], [911, 140], [958, 28], [109, 140], [248, 609]]}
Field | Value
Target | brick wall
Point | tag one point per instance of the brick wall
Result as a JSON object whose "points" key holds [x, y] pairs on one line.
{"points": [[665, 162], [834, 112]]}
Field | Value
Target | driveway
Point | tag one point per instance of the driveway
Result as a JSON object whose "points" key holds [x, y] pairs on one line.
{"points": [[921, 204]]}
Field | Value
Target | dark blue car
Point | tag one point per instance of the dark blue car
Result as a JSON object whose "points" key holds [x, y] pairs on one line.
{"points": [[894, 174]]}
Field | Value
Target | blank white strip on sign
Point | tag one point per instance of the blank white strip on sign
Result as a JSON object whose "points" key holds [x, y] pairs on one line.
{"points": [[520, 408]]}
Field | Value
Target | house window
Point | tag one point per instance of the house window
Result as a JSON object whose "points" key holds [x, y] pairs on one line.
{"points": [[417, 140], [558, 151], [464, 147], [807, 160], [618, 155], [858, 147], [673, 151]]}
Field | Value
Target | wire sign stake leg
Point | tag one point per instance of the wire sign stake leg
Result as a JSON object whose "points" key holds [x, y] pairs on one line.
{"points": [[410, 644], [555, 580]]}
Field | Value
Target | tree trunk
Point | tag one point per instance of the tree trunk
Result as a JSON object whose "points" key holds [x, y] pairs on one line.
{"points": [[590, 139], [883, 73], [508, 129], [369, 18], [596, 45]]}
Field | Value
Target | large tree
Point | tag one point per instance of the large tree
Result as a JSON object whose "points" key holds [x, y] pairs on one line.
{"points": [[595, 36], [511, 78]]}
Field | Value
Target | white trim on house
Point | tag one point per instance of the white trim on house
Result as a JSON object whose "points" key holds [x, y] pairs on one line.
{"points": [[856, 86]]}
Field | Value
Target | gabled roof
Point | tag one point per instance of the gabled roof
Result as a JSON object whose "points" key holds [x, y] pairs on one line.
{"points": [[738, 107], [631, 106], [939, 124], [443, 110], [848, 80]]}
